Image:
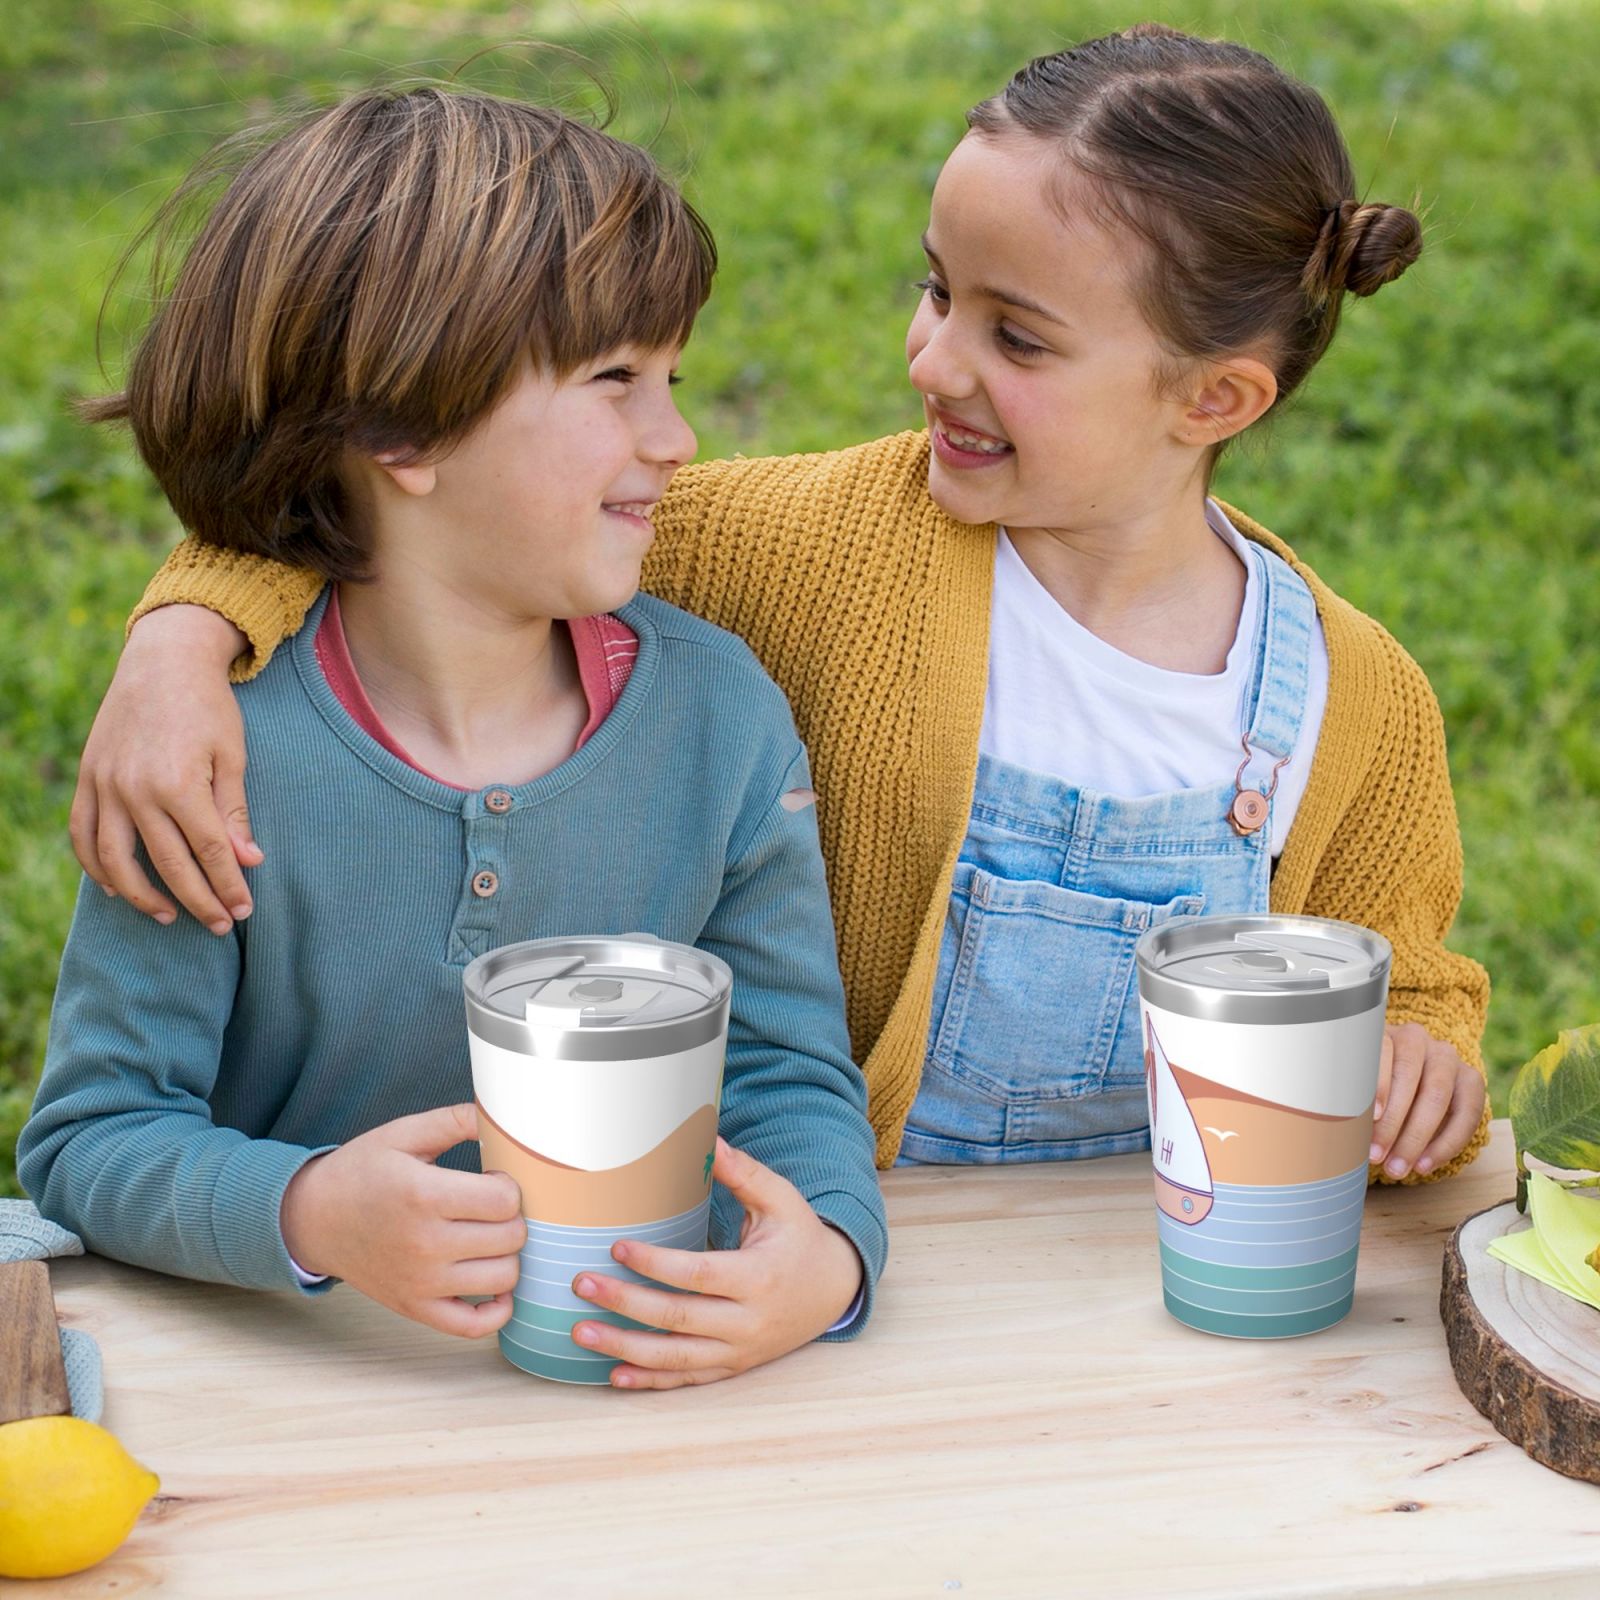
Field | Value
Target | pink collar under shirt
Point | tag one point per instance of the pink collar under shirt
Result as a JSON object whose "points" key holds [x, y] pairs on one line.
{"points": [[606, 648]]}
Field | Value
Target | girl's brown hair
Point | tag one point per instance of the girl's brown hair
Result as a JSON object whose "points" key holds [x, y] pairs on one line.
{"points": [[1233, 173], [375, 279]]}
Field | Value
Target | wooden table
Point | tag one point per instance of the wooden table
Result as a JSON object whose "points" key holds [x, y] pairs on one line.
{"points": [[1023, 1418]]}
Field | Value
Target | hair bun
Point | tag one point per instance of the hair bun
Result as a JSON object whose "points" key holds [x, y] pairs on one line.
{"points": [[1361, 248]]}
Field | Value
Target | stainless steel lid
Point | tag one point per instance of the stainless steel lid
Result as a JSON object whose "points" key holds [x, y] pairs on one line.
{"points": [[1263, 968], [597, 999]]}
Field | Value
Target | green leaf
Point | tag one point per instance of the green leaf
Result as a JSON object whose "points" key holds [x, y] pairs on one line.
{"points": [[1555, 1102]]}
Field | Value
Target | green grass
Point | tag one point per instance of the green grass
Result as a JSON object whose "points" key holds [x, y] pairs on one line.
{"points": [[1437, 469]]}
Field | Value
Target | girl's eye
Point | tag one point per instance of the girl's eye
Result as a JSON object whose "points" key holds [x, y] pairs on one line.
{"points": [[934, 290], [1018, 347]]}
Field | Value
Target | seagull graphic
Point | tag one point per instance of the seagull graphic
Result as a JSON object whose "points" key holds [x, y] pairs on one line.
{"points": [[1224, 1134], [711, 1156]]}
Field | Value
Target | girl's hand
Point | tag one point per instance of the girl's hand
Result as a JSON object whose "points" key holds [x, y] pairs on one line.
{"points": [[790, 1279], [1429, 1101], [165, 761], [413, 1236]]}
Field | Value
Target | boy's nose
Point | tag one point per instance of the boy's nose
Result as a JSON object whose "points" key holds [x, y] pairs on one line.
{"points": [[669, 440]]}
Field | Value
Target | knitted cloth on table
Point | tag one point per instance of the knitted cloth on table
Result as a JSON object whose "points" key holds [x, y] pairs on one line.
{"points": [[870, 607]]}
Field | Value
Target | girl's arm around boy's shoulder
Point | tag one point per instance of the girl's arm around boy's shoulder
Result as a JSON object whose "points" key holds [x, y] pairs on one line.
{"points": [[120, 1146]]}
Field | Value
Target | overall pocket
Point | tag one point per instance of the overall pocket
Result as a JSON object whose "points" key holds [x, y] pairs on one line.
{"points": [[1040, 1014]]}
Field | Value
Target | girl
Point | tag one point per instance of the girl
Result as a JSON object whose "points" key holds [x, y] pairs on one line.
{"points": [[1054, 692], [423, 345]]}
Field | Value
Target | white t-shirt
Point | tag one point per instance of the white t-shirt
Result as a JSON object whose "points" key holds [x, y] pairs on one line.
{"points": [[1064, 702]]}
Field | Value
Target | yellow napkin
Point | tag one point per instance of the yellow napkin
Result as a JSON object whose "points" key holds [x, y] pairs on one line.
{"points": [[1557, 1248]]}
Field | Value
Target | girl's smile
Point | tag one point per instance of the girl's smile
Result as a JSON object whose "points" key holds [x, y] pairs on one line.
{"points": [[1038, 371]]}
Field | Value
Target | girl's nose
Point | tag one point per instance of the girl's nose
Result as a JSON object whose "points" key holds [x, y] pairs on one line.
{"points": [[937, 365]]}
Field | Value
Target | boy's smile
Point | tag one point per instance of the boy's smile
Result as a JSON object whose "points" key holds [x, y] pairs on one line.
{"points": [[543, 508]]}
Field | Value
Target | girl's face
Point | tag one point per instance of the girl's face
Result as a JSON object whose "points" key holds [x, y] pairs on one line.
{"points": [[1037, 369]]}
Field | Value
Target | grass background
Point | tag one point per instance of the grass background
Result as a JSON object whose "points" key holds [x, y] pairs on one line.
{"points": [[1438, 469]]}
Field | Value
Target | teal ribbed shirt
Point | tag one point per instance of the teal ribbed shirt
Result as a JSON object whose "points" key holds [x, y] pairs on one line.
{"points": [[188, 1077]]}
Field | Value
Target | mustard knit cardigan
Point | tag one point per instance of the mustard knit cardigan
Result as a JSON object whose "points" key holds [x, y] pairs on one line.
{"points": [[870, 607]]}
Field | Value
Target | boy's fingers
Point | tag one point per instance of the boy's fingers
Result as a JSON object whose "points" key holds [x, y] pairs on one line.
{"points": [[699, 1271], [1410, 1050], [709, 1316], [464, 1320], [114, 838], [626, 1377], [211, 847], [489, 1240], [756, 1187], [656, 1352], [427, 1134], [495, 1275], [1466, 1111]]}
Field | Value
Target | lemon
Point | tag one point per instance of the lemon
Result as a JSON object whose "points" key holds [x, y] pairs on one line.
{"points": [[69, 1495]]}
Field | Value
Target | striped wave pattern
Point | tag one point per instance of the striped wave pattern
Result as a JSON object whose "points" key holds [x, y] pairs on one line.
{"points": [[538, 1338], [1269, 1261]]}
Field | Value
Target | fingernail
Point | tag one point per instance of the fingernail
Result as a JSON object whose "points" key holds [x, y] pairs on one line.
{"points": [[1376, 1152], [585, 1286], [1425, 1164], [1396, 1168], [111, 894], [623, 1380], [584, 1334], [240, 912], [619, 1251], [1377, 1111], [165, 918], [221, 925]]}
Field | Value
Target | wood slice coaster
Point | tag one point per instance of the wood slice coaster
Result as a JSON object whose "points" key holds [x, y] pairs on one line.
{"points": [[1525, 1355]]}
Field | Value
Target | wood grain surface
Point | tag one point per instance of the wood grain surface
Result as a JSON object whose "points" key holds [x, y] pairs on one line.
{"points": [[1021, 1419], [33, 1377]]}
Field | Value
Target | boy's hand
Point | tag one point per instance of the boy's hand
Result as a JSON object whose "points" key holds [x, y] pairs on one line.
{"points": [[165, 763], [412, 1236], [1429, 1101], [790, 1279]]}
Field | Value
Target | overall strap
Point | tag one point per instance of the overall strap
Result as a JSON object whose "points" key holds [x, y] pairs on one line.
{"points": [[1283, 651]]}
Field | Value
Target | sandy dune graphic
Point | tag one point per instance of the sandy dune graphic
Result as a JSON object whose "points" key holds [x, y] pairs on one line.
{"points": [[1275, 1145], [672, 1178]]}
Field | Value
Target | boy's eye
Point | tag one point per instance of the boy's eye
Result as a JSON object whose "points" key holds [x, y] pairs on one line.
{"points": [[1018, 347], [934, 290], [616, 375]]}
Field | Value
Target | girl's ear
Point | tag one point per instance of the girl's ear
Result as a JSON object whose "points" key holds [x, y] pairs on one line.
{"points": [[1235, 393], [409, 477]]}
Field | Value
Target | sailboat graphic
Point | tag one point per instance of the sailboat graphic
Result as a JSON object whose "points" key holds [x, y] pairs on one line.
{"points": [[1183, 1175]]}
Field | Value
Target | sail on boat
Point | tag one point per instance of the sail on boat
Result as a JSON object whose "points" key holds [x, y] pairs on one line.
{"points": [[1183, 1175]]}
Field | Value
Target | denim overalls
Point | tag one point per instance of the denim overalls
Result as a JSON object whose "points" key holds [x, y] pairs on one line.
{"points": [[1035, 1050]]}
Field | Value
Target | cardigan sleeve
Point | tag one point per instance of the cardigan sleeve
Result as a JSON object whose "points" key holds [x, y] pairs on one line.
{"points": [[1394, 863]]}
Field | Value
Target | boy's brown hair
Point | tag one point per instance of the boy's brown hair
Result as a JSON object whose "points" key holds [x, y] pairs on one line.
{"points": [[376, 279]]}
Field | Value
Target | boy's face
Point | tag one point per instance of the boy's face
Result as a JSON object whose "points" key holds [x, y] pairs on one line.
{"points": [[543, 508]]}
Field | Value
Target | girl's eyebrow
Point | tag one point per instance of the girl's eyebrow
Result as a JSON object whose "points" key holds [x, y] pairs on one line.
{"points": [[1004, 296]]}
